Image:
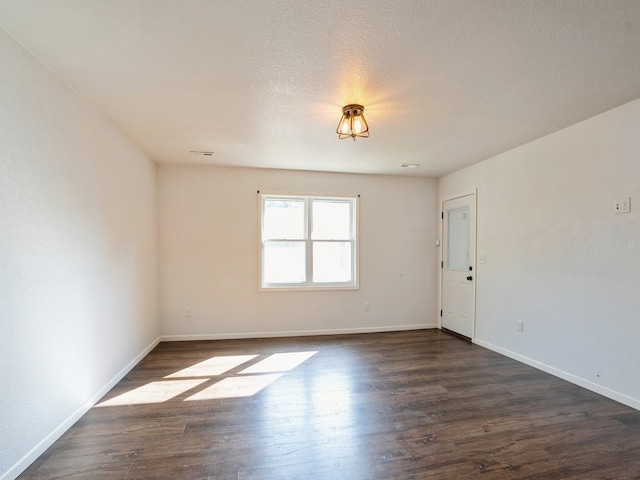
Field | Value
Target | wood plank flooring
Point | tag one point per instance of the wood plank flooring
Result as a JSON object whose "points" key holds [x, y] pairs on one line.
{"points": [[402, 405]]}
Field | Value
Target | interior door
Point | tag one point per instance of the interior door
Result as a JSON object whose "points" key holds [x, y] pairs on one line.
{"points": [[458, 265]]}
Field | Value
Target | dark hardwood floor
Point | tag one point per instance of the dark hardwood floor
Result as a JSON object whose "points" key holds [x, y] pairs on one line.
{"points": [[404, 405]]}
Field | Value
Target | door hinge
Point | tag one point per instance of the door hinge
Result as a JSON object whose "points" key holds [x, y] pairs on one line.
{"points": [[442, 264], [440, 312], [442, 215]]}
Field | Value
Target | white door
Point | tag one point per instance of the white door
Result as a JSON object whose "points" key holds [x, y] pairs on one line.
{"points": [[458, 264]]}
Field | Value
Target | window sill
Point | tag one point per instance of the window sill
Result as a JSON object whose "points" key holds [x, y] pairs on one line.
{"points": [[310, 288]]}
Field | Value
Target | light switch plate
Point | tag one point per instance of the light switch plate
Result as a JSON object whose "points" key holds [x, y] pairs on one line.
{"points": [[623, 205]]}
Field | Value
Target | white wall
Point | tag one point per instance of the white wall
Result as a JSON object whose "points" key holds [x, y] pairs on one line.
{"points": [[78, 257], [558, 257], [208, 239]]}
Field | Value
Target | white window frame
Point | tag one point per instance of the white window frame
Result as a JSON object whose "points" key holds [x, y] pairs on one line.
{"points": [[354, 201]]}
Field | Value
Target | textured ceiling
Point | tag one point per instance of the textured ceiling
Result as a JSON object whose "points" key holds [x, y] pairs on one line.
{"points": [[261, 83]]}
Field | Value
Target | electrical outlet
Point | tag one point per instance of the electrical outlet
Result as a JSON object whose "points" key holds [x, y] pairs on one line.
{"points": [[520, 326], [187, 312], [367, 307]]}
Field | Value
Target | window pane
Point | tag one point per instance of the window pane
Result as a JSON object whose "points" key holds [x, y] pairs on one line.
{"points": [[331, 220], [283, 262], [332, 262], [458, 238], [283, 220]]}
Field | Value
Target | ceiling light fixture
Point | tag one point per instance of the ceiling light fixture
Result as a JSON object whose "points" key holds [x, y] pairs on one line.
{"points": [[198, 153], [352, 123], [409, 165]]}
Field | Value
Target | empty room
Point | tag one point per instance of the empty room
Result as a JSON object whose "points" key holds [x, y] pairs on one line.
{"points": [[319, 239]]}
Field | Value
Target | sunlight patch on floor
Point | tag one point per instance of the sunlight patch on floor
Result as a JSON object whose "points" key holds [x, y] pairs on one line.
{"points": [[279, 362], [235, 387], [213, 366], [153, 392], [245, 383]]}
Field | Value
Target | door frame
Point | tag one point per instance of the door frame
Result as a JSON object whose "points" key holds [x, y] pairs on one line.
{"points": [[473, 247]]}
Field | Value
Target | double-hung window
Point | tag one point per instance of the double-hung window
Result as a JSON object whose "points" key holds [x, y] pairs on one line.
{"points": [[308, 241]]}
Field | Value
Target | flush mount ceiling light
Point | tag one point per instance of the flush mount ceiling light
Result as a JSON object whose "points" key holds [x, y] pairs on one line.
{"points": [[352, 124]]}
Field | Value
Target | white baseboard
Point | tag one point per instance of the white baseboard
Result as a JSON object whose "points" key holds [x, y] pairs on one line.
{"points": [[589, 385], [295, 333], [41, 447]]}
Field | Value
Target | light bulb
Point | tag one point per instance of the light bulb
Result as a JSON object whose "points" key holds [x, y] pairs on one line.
{"points": [[357, 125]]}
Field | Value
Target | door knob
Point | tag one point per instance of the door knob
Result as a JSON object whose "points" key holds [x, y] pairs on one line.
{"points": [[469, 277]]}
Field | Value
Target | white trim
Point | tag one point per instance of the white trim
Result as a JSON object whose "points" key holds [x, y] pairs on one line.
{"points": [[304, 193], [295, 333], [458, 195], [569, 377], [306, 288], [31, 456], [353, 200]]}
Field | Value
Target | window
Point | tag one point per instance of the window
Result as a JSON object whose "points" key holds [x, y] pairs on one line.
{"points": [[308, 241]]}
